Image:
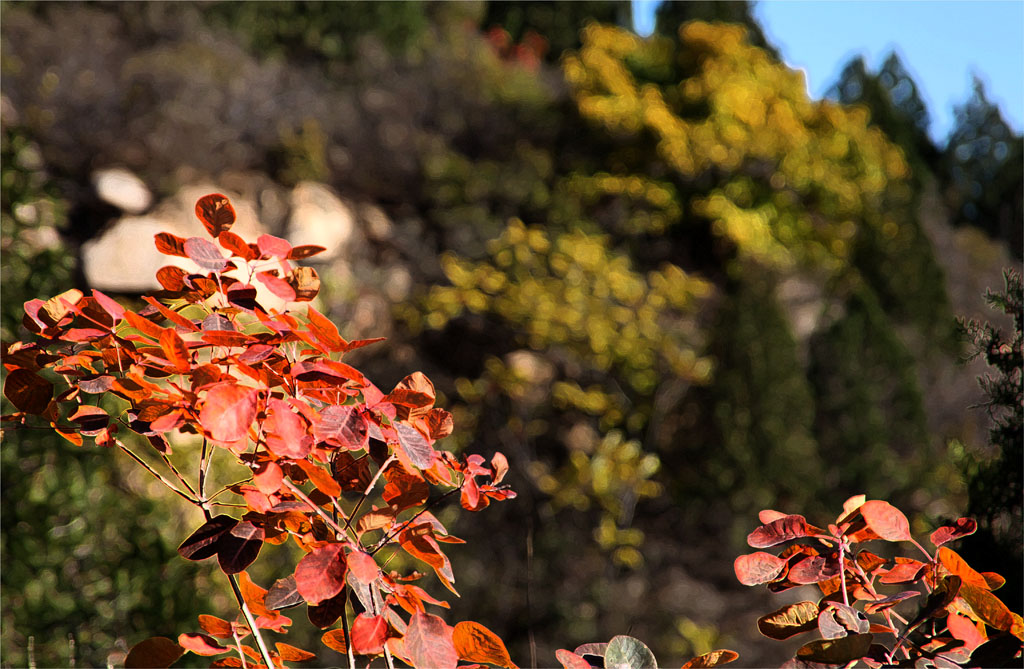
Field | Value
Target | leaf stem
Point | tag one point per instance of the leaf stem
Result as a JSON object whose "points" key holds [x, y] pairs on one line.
{"points": [[366, 493], [320, 512]]}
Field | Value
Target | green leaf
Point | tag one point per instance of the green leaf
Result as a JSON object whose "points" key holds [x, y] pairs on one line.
{"points": [[625, 652]]}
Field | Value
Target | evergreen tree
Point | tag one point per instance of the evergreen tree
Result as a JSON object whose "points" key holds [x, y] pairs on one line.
{"points": [[557, 22], [995, 484], [673, 13]]}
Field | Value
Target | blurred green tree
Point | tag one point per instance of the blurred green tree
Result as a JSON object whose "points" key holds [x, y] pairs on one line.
{"points": [[984, 170]]}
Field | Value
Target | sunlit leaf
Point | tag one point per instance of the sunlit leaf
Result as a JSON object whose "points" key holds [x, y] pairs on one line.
{"points": [[790, 620], [292, 654], [228, 411], [757, 568], [215, 626], [200, 644], [335, 640], [886, 520], [368, 634], [415, 445], [475, 643], [570, 660], [321, 574], [962, 527], [170, 245], [778, 531], [343, 423], [428, 642]]}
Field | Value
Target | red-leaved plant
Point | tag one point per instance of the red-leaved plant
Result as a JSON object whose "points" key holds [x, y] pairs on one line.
{"points": [[320, 442], [960, 622]]}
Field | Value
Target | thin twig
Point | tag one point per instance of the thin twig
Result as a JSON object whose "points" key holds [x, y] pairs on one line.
{"points": [[176, 473], [155, 473], [366, 493], [320, 512], [384, 541]]}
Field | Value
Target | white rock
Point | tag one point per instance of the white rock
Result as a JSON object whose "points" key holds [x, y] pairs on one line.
{"points": [[320, 217], [121, 188], [124, 258]]}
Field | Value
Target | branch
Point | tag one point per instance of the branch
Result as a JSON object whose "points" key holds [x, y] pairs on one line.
{"points": [[269, 661], [157, 474]]}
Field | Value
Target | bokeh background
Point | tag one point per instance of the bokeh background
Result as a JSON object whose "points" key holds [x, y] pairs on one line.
{"points": [[668, 283]]}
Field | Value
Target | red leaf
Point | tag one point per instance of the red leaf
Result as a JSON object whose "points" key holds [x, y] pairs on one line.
{"points": [[778, 531], [286, 431], [885, 520], [475, 643], [961, 528], [963, 628], [158, 651], [369, 634], [115, 310], [205, 254], [143, 325], [326, 332], [344, 424], [363, 567], [228, 411], [273, 246], [757, 568], [268, 477], [321, 574], [905, 571], [170, 245], [28, 391], [172, 315], [216, 213], [428, 642], [278, 287], [571, 660], [200, 644]]}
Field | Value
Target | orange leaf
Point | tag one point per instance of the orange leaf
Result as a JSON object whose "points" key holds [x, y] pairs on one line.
{"points": [[215, 626], [335, 640], [475, 643], [200, 644], [175, 350], [292, 654], [957, 565], [885, 520], [170, 245], [713, 659], [320, 478]]}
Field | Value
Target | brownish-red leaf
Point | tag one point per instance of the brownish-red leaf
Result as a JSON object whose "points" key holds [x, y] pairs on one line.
{"points": [[906, 570], [200, 644], [321, 574], [328, 611], [28, 391], [239, 547], [228, 411], [170, 245], [713, 659], [283, 594], [109, 305], [778, 531], [204, 542], [757, 568], [988, 607], [90, 420], [216, 213], [158, 651], [304, 251], [368, 634], [475, 643], [172, 278], [428, 642], [961, 528], [885, 520]]}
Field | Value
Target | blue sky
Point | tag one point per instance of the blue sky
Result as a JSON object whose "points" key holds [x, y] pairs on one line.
{"points": [[941, 43]]}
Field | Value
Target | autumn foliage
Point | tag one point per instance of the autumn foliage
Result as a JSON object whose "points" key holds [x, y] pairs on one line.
{"points": [[334, 464], [958, 621]]}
